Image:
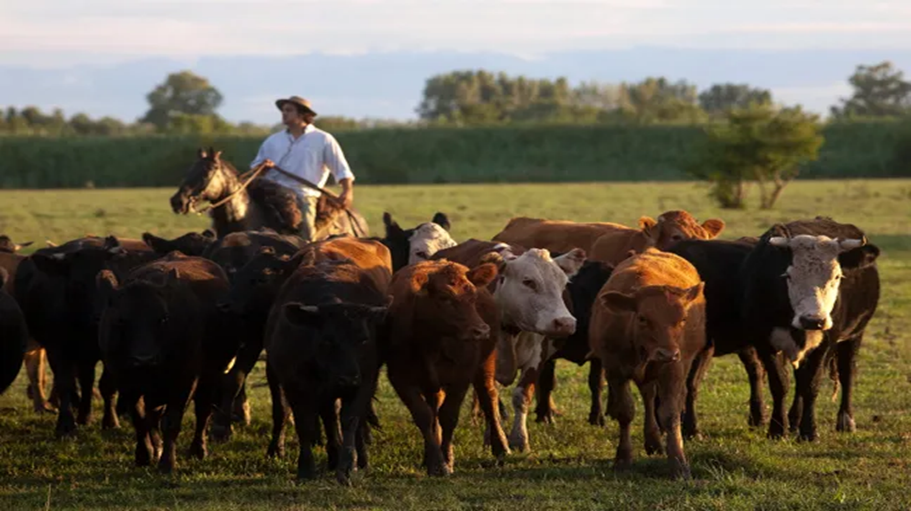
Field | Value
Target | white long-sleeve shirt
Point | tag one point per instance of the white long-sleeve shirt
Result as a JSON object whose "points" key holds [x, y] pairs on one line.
{"points": [[312, 156]]}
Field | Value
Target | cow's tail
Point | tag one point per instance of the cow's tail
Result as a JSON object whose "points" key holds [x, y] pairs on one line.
{"points": [[833, 375]]}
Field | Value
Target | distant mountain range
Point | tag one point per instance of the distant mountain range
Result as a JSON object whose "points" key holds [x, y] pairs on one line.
{"points": [[389, 85]]}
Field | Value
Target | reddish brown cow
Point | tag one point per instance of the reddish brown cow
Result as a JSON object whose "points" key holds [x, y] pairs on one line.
{"points": [[438, 343], [648, 324], [558, 236], [671, 227]]}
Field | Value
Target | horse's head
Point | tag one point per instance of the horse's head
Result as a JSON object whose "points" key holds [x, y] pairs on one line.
{"points": [[205, 181]]}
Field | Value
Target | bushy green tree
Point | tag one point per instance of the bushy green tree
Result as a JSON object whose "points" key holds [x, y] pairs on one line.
{"points": [[758, 144], [181, 93], [880, 90]]}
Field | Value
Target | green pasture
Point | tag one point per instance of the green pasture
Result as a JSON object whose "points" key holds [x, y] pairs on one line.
{"points": [[570, 467]]}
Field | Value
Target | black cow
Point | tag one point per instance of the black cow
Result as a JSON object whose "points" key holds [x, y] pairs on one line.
{"points": [[56, 289], [13, 335], [321, 348], [191, 244], [581, 291], [166, 342], [806, 292], [237, 249], [719, 264]]}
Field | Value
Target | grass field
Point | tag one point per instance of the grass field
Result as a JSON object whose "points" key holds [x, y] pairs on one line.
{"points": [[734, 466]]}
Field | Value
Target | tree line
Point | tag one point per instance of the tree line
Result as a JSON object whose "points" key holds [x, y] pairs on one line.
{"points": [[185, 103]]}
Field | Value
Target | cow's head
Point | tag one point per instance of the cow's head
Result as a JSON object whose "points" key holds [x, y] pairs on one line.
{"points": [[660, 317], [191, 244], [446, 295], [407, 249], [674, 226], [137, 328], [205, 181], [7, 245], [530, 291], [333, 335], [79, 268], [254, 287], [428, 239], [815, 271]]}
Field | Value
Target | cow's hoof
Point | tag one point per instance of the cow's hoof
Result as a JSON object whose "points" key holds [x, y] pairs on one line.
{"points": [[681, 471], [198, 450], [653, 446], [623, 463], [306, 475], [776, 431], [756, 420], [439, 470], [519, 443], [143, 456], [596, 419], [166, 467], [221, 433], [807, 436], [546, 417], [845, 423], [66, 429], [276, 450]]}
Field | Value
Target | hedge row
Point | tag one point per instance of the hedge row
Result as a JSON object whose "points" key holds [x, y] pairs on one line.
{"points": [[514, 154]]}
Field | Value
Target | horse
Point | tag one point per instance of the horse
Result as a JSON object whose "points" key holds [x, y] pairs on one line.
{"points": [[236, 206]]}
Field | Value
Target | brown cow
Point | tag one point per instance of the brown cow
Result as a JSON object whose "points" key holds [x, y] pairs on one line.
{"points": [[671, 227], [558, 236], [438, 342], [648, 324]]}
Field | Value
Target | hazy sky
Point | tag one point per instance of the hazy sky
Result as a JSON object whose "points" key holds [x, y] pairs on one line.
{"points": [[56, 32]]}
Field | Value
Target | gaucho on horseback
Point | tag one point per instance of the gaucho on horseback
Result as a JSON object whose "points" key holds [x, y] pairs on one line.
{"points": [[283, 190]]}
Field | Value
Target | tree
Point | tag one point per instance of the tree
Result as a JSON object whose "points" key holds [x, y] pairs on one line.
{"points": [[758, 144], [717, 100], [879, 91], [181, 93], [659, 100]]}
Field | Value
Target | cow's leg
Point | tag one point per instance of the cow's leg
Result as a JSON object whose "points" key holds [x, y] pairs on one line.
{"points": [[154, 413], [795, 413], [145, 452], [424, 419], [651, 427], [671, 395], [204, 401], [241, 409], [280, 412], [846, 360], [449, 419], [329, 414], [65, 382], [306, 416], [486, 387], [521, 400], [622, 409], [171, 425], [36, 367], [596, 385], [756, 376], [547, 380], [354, 423], [779, 381], [693, 381], [108, 388], [86, 373], [809, 378], [231, 384]]}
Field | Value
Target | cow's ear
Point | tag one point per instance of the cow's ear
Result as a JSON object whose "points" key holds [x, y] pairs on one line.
{"points": [[302, 315], [647, 225], [391, 225], [713, 227], [4, 277], [209, 233], [112, 245], [153, 241], [692, 293], [201, 153], [483, 275], [495, 259], [619, 302], [174, 273], [23, 245], [571, 262], [858, 258], [442, 220]]}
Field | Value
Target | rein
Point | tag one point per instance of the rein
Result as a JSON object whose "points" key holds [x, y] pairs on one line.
{"points": [[249, 176]]}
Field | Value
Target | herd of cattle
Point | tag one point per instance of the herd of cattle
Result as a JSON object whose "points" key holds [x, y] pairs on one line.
{"points": [[184, 320]]}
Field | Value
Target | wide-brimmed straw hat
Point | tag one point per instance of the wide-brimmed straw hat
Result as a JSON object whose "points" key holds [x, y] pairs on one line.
{"points": [[297, 100]]}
